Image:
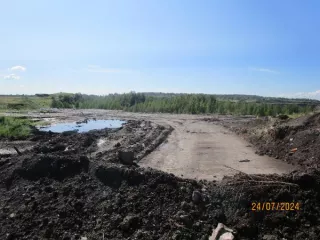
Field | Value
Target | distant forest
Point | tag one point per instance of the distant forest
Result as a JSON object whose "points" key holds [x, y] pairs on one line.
{"points": [[187, 103]]}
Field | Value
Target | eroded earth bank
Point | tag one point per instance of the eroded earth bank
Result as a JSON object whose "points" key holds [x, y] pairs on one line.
{"points": [[75, 185]]}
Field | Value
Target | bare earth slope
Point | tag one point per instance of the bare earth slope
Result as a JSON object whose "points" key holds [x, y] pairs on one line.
{"points": [[295, 141]]}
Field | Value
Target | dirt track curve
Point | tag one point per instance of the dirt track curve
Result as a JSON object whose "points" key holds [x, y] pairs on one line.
{"points": [[202, 150]]}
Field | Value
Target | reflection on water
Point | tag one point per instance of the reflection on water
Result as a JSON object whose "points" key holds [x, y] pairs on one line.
{"points": [[83, 126]]}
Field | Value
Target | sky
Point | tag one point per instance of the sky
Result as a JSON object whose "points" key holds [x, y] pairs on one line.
{"points": [[265, 47]]}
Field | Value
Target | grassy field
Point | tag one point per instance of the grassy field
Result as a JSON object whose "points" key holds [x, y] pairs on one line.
{"points": [[19, 102], [15, 127]]}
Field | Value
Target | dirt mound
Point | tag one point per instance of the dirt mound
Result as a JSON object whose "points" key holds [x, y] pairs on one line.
{"points": [[114, 176], [125, 204], [120, 202], [298, 191], [314, 120], [295, 140], [139, 137], [52, 166]]}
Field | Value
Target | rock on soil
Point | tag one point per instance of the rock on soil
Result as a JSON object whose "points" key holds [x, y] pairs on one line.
{"points": [[196, 197], [126, 157]]}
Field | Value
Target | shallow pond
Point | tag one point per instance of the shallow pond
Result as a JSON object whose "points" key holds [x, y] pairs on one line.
{"points": [[83, 126]]}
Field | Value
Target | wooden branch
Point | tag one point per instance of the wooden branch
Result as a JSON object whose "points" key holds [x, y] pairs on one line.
{"points": [[238, 171], [17, 150], [267, 182], [260, 181]]}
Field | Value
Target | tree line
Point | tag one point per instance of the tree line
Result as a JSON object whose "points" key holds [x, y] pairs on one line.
{"points": [[182, 103]]}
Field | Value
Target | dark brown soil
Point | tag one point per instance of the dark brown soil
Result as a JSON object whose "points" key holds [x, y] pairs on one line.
{"points": [[64, 189], [295, 141]]}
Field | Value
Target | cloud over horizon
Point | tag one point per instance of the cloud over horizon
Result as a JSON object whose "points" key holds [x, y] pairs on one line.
{"points": [[12, 76], [311, 95], [18, 68]]}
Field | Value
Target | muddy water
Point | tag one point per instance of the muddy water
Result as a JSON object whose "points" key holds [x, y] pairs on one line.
{"points": [[83, 126]]}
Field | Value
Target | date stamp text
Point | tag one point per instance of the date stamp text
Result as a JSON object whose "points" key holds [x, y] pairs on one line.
{"points": [[275, 206]]}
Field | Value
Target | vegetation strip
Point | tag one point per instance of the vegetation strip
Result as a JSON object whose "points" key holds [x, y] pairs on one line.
{"points": [[185, 103]]}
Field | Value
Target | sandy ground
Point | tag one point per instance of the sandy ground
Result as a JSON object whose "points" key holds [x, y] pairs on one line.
{"points": [[202, 150], [195, 149]]}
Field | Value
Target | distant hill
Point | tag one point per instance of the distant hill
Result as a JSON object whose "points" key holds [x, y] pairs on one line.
{"points": [[246, 98]]}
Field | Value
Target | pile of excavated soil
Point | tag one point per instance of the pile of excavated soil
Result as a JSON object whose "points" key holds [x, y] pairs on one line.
{"points": [[117, 202], [295, 141], [112, 202], [59, 191], [241, 195]]}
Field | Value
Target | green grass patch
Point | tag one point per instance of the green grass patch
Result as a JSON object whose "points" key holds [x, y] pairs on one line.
{"points": [[15, 128], [20, 102], [297, 115], [41, 123]]}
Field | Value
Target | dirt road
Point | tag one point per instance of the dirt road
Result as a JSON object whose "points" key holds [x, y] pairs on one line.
{"points": [[201, 150], [195, 149]]}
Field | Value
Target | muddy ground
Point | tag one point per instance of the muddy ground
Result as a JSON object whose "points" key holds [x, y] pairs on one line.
{"points": [[196, 149], [75, 187]]}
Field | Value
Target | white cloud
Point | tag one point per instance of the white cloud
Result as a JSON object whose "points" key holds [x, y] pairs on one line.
{"points": [[315, 93], [264, 70], [312, 95], [18, 68], [12, 77]]}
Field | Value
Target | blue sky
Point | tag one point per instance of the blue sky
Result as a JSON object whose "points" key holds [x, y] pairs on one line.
{"points": [[269, 48]]}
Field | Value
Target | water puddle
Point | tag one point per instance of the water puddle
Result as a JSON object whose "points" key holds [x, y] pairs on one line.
{"points": [[84, 126]]}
